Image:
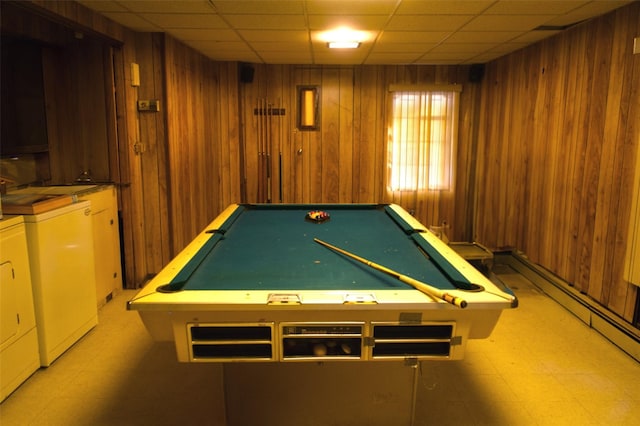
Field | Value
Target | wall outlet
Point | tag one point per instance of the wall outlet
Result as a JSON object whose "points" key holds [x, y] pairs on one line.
{"points": [[636, 45], [149, 105]]}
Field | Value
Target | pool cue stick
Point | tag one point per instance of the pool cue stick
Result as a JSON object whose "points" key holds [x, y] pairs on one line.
{"points": [[269, 147], [258, 145], [260, 150], [263, 155], [430, 291], [280, 152]]}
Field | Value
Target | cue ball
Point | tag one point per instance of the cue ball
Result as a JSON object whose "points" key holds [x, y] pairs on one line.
{"points": [[319, 349]]}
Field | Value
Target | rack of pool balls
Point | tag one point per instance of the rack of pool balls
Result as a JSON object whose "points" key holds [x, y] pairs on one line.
{"points": [[317, 216]]}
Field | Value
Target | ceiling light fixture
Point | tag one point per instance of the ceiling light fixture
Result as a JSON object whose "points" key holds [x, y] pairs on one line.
{"points": [[343, 44], [343, 38]]}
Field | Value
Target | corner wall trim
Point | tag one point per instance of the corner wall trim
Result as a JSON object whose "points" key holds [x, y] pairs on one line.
{"points": [[614, 329]]}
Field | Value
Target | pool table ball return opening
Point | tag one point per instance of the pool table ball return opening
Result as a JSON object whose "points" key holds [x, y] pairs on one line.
{"points": [[342, 282]]}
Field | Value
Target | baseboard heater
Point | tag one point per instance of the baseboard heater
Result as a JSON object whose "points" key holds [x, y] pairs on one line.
{"points": [[590, 312]]}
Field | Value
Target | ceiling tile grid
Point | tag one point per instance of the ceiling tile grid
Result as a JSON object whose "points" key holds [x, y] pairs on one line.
{"points": [[394, 31]]}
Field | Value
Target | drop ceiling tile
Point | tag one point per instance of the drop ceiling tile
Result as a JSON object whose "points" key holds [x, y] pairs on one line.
{"points": [[275, 35], [432, 61], [266, 22], [336, 56], [413, 36], [133, 21], [202, 34], [392, 58], [249, 57], [355, 22], [505, 48], [402, 47], [533, 36], [291, 47], [443, 62], [454, 57], [585, 12], [350, 7], [238, 52], [483, 58], [164, 6], [439, 7], [524, 7], [462, 47], [566, 20], [595, 8], [103, 6], [185, 20], [506, 22], [483, 36], [221, 46], [427, 22], [259, 7]]}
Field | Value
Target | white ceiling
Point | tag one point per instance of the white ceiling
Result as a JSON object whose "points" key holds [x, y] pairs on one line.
{"points": [[399, 31]]}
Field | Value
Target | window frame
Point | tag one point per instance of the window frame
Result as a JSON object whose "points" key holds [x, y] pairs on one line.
{"points": [[425, 178]]}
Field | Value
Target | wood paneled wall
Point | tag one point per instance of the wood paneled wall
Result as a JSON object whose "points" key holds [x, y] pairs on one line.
{"points": [[559, 132], [76, 74], [76, 77], [344, 160], [202, 125]]}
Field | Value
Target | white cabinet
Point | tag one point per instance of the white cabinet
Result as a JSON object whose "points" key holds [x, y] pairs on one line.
{"points": [[19, 356], [106, 240], [61, 260]]}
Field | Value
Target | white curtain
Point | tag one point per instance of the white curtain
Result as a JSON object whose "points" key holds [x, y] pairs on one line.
{"points": [[422, 135]]}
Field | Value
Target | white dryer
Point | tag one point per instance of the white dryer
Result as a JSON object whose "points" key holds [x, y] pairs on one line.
{"points": [[62, 262], [19, 356]]}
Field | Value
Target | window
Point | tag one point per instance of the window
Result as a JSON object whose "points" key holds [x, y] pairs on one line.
{"points": [[422, 134]]}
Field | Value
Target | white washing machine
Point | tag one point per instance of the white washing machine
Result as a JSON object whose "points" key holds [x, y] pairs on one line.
{"points": [[19, 356], [62, 263]]}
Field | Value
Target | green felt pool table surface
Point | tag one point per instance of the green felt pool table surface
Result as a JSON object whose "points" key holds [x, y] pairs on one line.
{"points": [[272, 247]]}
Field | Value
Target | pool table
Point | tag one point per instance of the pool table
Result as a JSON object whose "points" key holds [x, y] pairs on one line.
{"points": [[321, 282]]}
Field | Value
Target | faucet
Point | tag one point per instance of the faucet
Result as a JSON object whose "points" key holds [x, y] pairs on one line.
{"points": [[85, 176]]}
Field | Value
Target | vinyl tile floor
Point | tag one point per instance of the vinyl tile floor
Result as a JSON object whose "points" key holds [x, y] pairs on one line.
{"points": [[541, 366]]}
